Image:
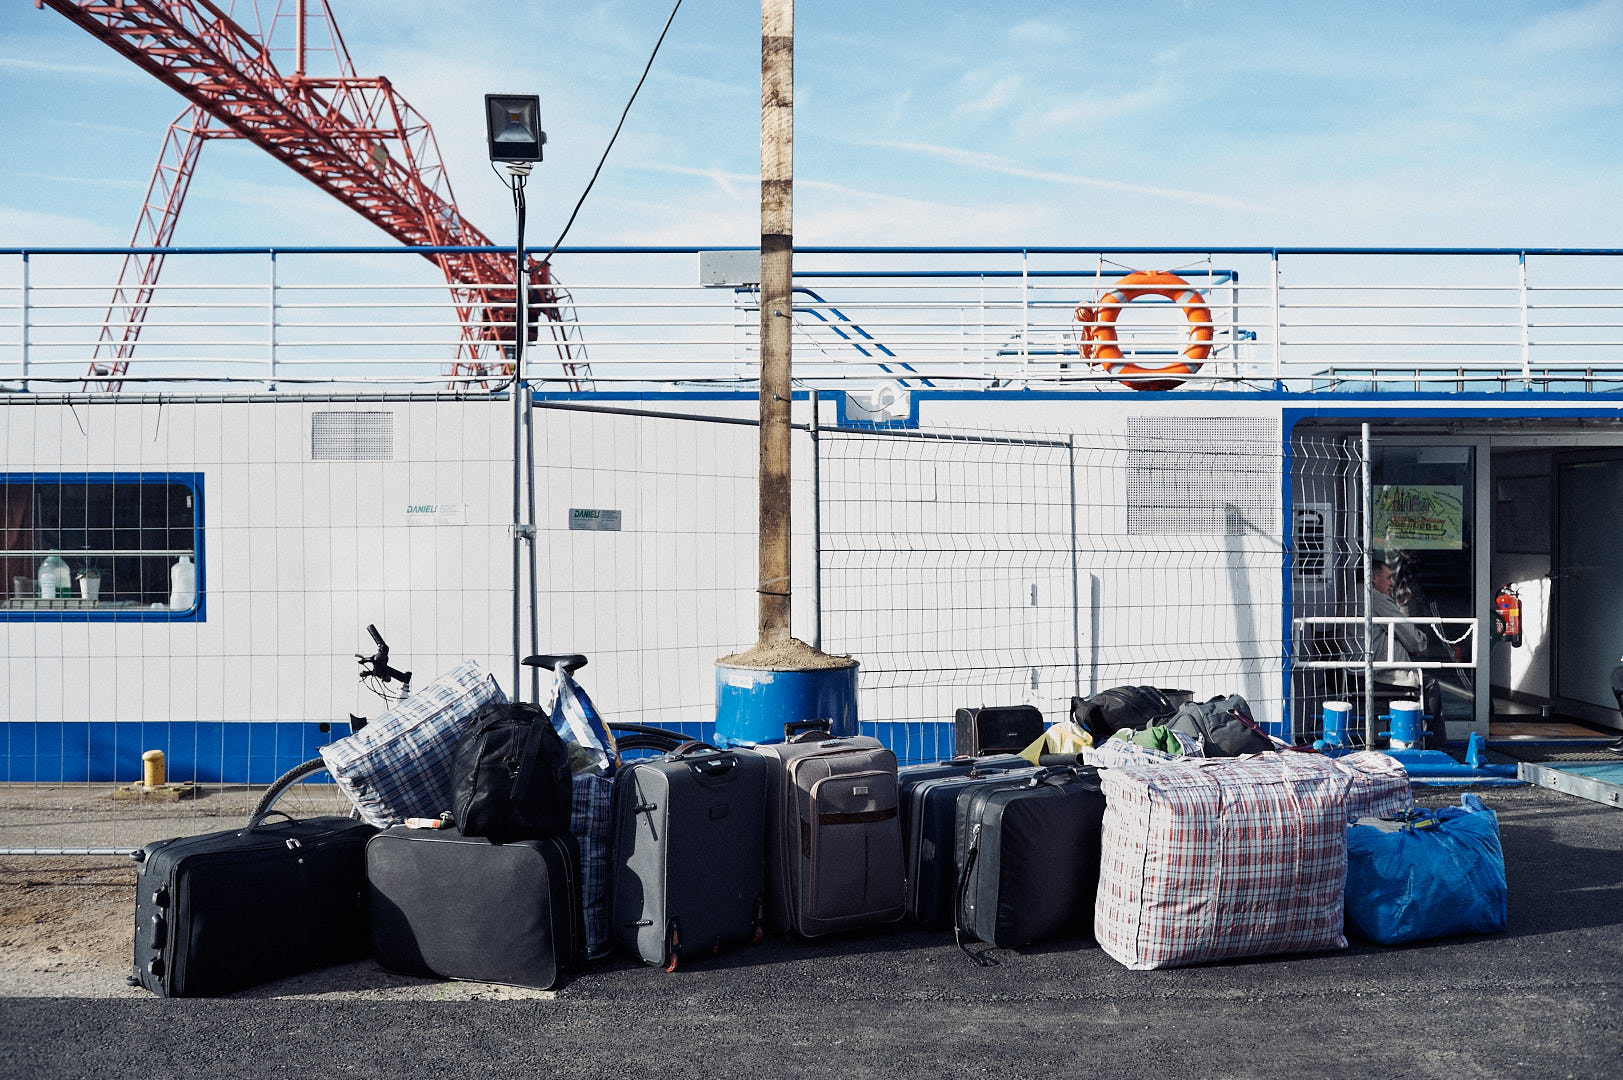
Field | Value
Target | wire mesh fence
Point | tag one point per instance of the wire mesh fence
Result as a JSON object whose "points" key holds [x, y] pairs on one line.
{"points": [[963, 564], [992, 568]]}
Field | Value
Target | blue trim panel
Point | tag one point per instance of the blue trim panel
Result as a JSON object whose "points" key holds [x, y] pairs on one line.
{"points": [[193, 481], [242, 752], [199, 751], [1318, 403]]}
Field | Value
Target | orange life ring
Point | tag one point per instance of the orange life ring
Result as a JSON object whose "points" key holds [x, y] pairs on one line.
{"points": [[1099, 328]]}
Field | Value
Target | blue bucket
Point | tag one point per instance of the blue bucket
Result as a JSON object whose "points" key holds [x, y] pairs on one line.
{"points": [[1408, 726], [1337, 723], [754, 704]]}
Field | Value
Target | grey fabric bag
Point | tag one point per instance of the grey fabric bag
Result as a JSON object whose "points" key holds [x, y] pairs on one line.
{"points": [[1224, 725]]}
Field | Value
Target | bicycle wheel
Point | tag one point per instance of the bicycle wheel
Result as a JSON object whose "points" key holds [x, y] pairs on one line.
{"points": [[304, 791], [635, 741]]}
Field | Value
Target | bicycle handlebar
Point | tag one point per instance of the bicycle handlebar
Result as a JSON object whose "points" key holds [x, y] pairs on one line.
{"points": [[377, 665]]}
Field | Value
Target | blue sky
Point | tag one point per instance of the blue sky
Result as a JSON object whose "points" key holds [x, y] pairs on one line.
{"points": [[1166, 123]]}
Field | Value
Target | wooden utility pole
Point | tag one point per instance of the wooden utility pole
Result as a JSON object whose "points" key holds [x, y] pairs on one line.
{"points": [[777, 310]]}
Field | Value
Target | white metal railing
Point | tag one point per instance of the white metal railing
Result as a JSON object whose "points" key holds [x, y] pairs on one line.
{"points": [[1305, 320], [1302, 628]]}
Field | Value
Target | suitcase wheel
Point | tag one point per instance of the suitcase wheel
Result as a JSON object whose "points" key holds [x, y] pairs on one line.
{"points": [[672, 941]]}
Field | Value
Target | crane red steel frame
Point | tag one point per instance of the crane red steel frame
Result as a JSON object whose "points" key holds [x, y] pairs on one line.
{"points": [[337, 132]]}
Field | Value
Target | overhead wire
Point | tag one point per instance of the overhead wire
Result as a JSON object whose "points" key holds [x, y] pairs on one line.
{"points": [[623, 114]]}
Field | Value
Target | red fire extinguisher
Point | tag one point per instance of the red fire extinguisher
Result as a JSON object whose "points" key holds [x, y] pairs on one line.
{"points": [[1507, 615]]}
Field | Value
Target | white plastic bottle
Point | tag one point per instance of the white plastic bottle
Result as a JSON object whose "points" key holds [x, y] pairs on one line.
{"points": [[182, 584], [55, 580]]}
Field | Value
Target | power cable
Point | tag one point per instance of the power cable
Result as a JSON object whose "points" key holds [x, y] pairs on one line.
{"points": [[623, 113]]}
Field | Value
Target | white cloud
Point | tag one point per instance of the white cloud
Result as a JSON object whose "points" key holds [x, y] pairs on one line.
{"points": [[990, 163], [90, 181], [994, 97], [29, 228], [118, 69], [1598, 25], [1039, 34]]}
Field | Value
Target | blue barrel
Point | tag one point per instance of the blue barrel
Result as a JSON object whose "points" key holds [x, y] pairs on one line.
{"points": [[753, 704]]}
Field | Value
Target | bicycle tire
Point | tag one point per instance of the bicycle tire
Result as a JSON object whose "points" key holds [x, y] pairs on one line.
{"points": [[305, 791], [635, 741]]}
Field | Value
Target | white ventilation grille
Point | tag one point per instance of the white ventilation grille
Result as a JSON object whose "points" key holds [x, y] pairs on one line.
{"points": [[1203, 474], [352, 436]]}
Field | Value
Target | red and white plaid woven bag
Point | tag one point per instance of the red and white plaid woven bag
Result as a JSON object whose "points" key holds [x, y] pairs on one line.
{"points": [[1380, 785], [1214, 858]]}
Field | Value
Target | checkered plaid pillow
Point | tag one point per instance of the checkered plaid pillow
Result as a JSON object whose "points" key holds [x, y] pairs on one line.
{"points": [[1212, 858], [399, 765]]}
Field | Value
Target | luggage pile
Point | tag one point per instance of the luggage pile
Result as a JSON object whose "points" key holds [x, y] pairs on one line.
{"points": [[1171, 837]]}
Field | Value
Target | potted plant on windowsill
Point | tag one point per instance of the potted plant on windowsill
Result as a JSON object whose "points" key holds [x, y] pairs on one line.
{"points": [[89, 585]]}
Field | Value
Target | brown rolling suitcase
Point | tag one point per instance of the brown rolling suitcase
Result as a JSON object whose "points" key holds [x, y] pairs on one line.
{"points": [[834, 834]]}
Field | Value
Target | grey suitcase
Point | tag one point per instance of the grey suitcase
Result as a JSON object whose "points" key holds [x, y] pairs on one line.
{"points": [[834, 834], [688, 834]]}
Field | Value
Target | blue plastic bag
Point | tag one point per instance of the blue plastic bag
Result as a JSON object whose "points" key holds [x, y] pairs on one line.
{"points": [[1441, 872], [577, 721]]}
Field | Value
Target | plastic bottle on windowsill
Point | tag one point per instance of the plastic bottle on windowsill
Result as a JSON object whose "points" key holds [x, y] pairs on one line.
{"points": [[55, 580], [182, 584]]}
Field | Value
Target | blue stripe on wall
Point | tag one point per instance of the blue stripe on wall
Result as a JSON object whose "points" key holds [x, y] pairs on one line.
{"points": [[198, 751], [215, 752]]}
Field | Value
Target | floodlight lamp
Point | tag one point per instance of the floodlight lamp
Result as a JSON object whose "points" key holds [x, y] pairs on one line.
{"points": [[513, 125]]}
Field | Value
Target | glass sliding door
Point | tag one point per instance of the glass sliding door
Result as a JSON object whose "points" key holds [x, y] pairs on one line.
{"points": [[1424, 528], [1588, 583]]}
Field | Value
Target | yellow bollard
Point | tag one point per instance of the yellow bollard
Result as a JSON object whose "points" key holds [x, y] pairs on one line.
{"points": [[153, 783], [152, 771]]}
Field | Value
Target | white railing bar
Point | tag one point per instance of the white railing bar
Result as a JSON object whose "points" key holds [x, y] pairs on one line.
{"points": [[168, 286], [23, 319]]}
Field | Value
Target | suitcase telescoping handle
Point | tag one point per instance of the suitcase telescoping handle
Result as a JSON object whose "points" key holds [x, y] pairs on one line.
{"points": [[1053, 774], [715, 764], [807, 730]]}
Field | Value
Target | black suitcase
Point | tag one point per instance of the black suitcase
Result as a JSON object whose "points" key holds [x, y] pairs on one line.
{"points": [[460, 907], [929, 799], [689, 869], [228, 910], [1004, 729], [1028, 852]]}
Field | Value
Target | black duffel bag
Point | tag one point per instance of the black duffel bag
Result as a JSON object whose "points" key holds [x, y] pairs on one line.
{"points": [[510, 775], [1131, 707]]}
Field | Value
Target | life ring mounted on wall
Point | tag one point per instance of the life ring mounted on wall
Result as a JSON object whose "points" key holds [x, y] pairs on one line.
{"points": [[1099, 328]]}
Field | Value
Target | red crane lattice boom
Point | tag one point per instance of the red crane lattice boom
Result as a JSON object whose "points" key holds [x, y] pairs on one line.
{"points": [[354, 137]]}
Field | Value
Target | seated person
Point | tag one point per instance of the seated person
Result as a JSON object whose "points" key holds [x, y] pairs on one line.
{"points": [[1411, 641]]}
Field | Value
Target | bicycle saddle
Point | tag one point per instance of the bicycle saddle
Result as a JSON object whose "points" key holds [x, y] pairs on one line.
{"points": [[554, 661]]}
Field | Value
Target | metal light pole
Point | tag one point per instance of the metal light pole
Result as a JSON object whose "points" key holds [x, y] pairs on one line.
{"points": [[777, 309], [513, 127]]}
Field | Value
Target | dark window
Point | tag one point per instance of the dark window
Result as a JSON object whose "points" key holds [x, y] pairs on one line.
{"points": [[127, 530]]}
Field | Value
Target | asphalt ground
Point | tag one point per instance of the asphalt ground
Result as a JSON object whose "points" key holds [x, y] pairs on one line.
{"points": [[1541, 1000]]}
